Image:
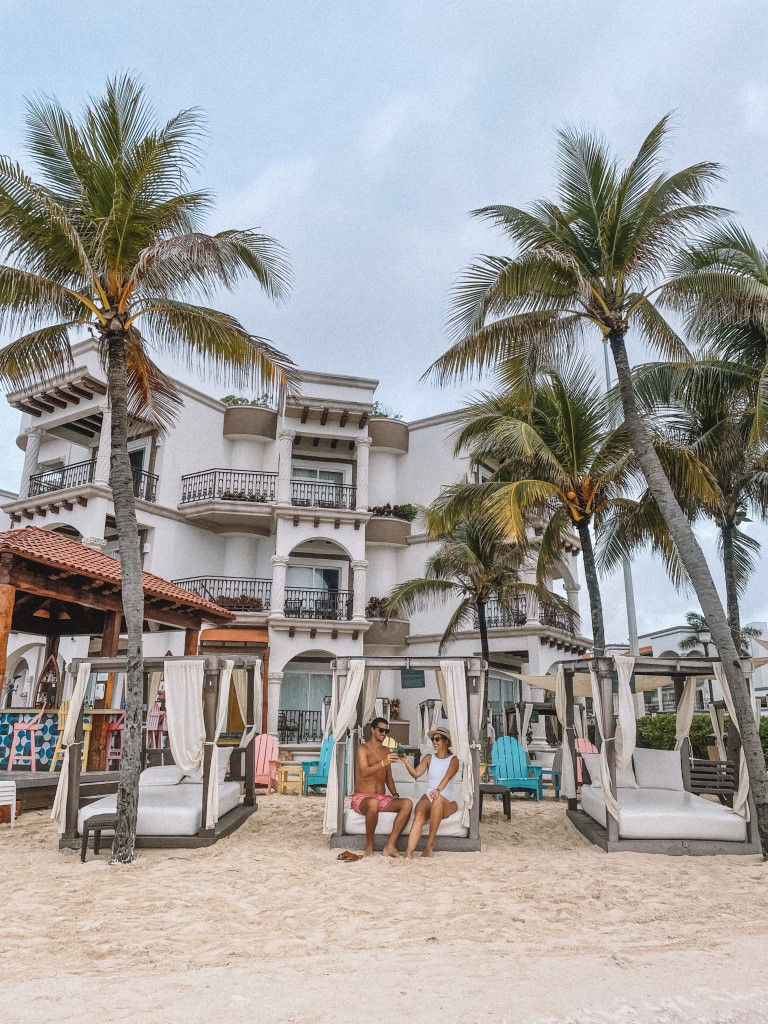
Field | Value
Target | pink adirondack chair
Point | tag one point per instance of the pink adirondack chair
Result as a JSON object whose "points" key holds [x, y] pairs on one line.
{"points": [[582, 746], [267, 754], [16, 753], [155, 727], [115, 731]]}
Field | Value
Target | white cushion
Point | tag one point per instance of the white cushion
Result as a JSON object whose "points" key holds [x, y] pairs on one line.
{"points": [[354, 824], [223, 754], [625, 777], [666, 814], [167, 811], [659, 769], [161, 775]]}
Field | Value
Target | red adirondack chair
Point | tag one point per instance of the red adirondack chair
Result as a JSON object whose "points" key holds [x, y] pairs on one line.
{"points": [[267, 754]]}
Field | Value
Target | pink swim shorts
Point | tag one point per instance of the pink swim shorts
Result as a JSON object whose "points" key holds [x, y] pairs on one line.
{"points": [[384, 800]]}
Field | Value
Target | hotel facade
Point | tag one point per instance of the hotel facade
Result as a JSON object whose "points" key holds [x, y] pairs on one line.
{"points": [[296, 521]]}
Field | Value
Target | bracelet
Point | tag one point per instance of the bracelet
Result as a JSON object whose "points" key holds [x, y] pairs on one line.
{"points": [[383, 764]]}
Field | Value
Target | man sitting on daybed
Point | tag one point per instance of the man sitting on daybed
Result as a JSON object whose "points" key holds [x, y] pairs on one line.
{"points": [[373, 776]]}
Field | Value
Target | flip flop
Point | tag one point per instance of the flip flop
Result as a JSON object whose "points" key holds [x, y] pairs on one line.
{"points": [[348, 857]]}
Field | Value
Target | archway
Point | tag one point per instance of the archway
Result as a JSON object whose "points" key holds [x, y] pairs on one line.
{"points": [[305, 695]]}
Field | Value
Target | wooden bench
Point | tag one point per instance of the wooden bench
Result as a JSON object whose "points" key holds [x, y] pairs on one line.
{"points": [[713, 778]]}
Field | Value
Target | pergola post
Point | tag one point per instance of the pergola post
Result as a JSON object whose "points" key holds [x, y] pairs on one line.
{"points": [[249, 799], [7, 601], [342, 673], [569, 733], [191, 637], [605, 682], [211, 684], [69, 837], [475, 716]]}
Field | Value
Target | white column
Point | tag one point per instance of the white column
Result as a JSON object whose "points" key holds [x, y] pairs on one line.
{"points": [[31, 456], [572, 596], [363, 446], [273, 701], [277, 599], [359, 589], [284, 467], [101, 473]]}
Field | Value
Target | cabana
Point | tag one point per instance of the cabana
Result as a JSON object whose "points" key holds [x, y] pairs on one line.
{"points": [[187, 802], [643, 800], [461, 682]]}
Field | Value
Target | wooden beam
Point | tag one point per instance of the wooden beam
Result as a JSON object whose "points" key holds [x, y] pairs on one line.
{"points": [[69, 396], [7, 600], [78, 388], [51, 396], [110, 638], [324, 417], [95, 385], [23, 407], [191, 638], [305, 414], [344, 418], [38, 403], [363, 420], [334, 442]]}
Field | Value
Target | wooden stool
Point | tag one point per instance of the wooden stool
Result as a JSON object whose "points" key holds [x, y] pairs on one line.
{"points": [[95, 824], [291, 778], [58, 753]]}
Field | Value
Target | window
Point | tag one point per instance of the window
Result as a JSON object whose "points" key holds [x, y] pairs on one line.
{"points": [[304, 690], [323, 476], [313, 577]]}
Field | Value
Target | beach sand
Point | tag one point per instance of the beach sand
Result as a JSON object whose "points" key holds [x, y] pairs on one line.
{"points": [[268, 926]]}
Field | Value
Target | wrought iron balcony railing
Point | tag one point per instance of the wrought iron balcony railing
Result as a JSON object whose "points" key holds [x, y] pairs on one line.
{"points": [[229, 485], [317, 604], [312, 495], [527, 609], [238, 594], [144, 485], [299, 726], [76, 475]]}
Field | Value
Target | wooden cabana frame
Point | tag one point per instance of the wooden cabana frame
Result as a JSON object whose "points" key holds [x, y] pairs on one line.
{"points": [[231, 821], [474, 669], [675, 670]]}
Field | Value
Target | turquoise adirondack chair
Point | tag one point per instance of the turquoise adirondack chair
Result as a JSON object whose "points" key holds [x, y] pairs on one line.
{"points": [[510, 768], [316, 772], [553, 775]]}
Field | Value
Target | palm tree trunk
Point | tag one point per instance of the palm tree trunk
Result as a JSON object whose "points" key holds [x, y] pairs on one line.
{"points": [[696, 565], [593, 588], [121, 482], [731, 592], [482, 626]]}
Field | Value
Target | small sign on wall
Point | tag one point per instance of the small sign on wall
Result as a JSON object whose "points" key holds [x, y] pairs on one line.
{"points": [[412, 678]]}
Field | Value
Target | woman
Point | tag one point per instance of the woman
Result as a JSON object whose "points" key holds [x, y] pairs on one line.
{"points": [[440, 799]]}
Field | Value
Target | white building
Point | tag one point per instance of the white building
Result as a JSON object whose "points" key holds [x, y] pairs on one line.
{"points": [[278, 517]]}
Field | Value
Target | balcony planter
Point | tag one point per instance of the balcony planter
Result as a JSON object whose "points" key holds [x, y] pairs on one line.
{"points": [[250, 422], [388, 435], [387, 530], [387, 633]]}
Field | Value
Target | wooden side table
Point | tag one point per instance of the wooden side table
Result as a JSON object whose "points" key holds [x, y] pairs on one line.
{"points": [[291, 778], [95, 824], [503, 792]]}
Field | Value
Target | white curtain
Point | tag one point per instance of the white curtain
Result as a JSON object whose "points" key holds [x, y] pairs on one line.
{"points": [[67, 739], [741, 800], [184, 707], [370, 690], [452, 684], [343, 720], [222, 708], [561, 704], [527, 712], [580, 721], [437, 714], [626, 730], [611, 803], [240, 681], [685, 711], [153, 688], [716, 718], [378, 709]]}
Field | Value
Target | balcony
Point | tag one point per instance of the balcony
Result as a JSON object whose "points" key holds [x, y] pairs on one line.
{"points": [[318, 604], [299, 726], [228, 485], [527, 610], [81, 473], [314, 495], [236, 594]]}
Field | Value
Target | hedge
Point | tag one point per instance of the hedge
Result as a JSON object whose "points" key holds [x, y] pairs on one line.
{"points": [[658, 731]]}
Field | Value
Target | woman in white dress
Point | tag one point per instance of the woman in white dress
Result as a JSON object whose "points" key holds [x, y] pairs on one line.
{"points": [[440, 799]]}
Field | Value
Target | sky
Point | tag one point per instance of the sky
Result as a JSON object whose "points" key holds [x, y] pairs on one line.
{"points": [[361, 134]]}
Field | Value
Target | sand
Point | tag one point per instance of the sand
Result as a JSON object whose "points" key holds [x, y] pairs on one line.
{"points": [[268, 926]]}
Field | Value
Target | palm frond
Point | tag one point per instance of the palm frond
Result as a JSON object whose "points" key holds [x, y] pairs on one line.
{"points": [[38, 356]]}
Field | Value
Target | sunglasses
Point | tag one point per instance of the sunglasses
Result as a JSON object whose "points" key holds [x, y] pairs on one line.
{"points": [[439, 739], [380, 729]]}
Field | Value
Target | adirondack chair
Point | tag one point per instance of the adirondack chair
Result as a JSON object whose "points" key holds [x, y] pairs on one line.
{"points": [[582, 746], [317, 771], [551, 776], [267, 753], [510, 767]]}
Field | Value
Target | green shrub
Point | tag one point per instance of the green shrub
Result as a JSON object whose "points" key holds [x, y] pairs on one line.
{"points": [[658, 731]]}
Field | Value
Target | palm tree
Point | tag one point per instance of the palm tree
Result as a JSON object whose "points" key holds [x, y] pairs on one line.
{"points": [[561, 463], [609, 254], [474, 564], [697, 623], [108, 239]]}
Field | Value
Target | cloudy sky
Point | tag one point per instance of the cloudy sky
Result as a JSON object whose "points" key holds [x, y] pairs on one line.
{"points": [[361, 133]]}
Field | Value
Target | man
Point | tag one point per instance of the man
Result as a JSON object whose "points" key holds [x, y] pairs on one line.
{"points": [[373, 776]]}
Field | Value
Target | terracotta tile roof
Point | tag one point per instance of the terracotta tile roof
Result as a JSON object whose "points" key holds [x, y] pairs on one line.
{"points": [[46, 547]]}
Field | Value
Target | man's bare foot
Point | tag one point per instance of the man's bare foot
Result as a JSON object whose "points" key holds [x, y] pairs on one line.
{"points": [[409, 856], [427, 852], [368, 852], [391, 851]]}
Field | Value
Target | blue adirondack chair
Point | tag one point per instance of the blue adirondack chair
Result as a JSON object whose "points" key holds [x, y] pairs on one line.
{"points": [[553, 775], [510, 768], [316, 772]]}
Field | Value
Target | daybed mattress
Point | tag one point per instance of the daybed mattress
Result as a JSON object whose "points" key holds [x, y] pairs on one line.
{"points": [[354, 824], [167, 810], [666, 814]]}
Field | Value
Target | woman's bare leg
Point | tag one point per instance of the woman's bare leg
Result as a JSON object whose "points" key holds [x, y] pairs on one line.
{"points": [[441, 808], [420, 816]]}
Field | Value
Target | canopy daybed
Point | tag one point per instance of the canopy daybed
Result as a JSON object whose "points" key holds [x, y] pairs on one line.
{"points": [[461, 682], [187, 802], [642, 800]]}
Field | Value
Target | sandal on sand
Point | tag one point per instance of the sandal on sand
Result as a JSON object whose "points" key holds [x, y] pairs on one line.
{"points": [[348, 857]]}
